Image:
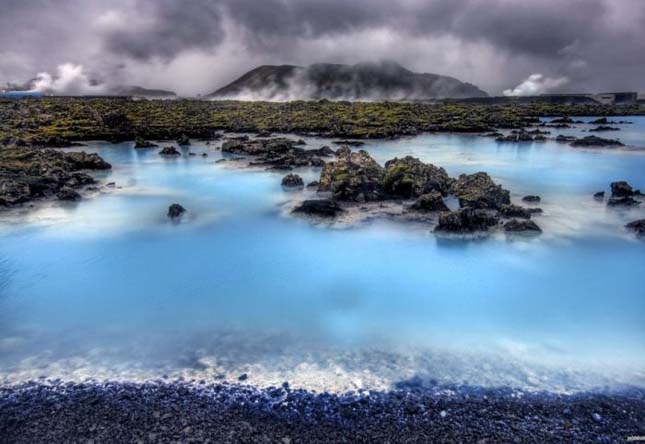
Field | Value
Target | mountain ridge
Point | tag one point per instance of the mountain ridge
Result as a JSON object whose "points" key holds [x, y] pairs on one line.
{"points": [[362, 81]]}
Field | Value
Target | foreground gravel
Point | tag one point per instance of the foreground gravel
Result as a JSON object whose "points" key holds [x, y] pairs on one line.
{"points": [[56, 412]]}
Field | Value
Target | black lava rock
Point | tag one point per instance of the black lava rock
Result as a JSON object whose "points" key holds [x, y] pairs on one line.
{"points": [[622, 202], [467, 220], [516, 226], [621, 189], [594, 141], [432, 201], [511, 211], [175, 210], [292, 181], [169, 151], [638, 226], [140, 142], [531, 199], [319, 207], [66, 193]]}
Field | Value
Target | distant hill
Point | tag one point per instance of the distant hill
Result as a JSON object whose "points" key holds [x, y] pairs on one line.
{"points": [[364, 81], [138, 91]]}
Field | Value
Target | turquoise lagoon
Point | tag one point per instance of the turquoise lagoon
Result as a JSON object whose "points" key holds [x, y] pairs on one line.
{"points": [[109, 288]]}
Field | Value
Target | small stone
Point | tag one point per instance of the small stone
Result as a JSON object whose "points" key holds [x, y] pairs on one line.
{"points": [[443, 414], [175, 210], [596, 417]]}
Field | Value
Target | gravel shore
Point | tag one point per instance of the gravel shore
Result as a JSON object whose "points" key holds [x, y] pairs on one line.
{"points": [[56, 412]]}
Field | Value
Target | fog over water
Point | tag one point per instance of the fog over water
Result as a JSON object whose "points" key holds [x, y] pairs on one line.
{"points": [[108, 288]]}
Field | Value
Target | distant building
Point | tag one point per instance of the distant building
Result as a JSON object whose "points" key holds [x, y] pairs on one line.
{"points": [[614, 98]]}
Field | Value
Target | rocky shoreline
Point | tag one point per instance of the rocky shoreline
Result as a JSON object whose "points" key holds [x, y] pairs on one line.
{"points": [[28, 174], [56, 122], [115, 412]]}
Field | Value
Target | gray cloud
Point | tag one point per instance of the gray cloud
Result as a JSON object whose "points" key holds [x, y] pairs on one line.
{"points": [[162, 28], [199, 45]]}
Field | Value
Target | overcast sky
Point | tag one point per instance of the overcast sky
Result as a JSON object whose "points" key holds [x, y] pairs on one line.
{"points": [[196, 46]]}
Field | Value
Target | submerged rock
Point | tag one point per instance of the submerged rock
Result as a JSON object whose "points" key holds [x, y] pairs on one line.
{"points": [[169, 151], [432, 201], [313, 184], [27, 174], [521, 136], [564, 119], [353, 177], [600, 195], [140, 142], [622, 202], [531, 199], [409, 177], [604, 128], [292, 181], [515, 226], [479, 191], [175, 210], [595, 141], [183, 140], [349, 142], [467, 220], [638, 226], [621, 189], [561, 138], [277, 153], [319, 207]]}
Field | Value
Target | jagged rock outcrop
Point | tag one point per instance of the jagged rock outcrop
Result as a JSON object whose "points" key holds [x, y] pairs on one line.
{"points": [[467, 220], [354, 177], [409, 177], [479, 191], [432, 201], [27, 174]]}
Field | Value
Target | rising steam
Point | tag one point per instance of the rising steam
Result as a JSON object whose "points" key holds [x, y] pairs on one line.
{"points": [[70, 79], [537, 84]]}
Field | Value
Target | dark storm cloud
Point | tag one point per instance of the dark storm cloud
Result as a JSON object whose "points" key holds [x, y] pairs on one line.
{"points": [[539, 27], [164, 28], [595, 44]]}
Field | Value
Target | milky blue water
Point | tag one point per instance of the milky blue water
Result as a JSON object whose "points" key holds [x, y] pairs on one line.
{"points": [[109, 288]]}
